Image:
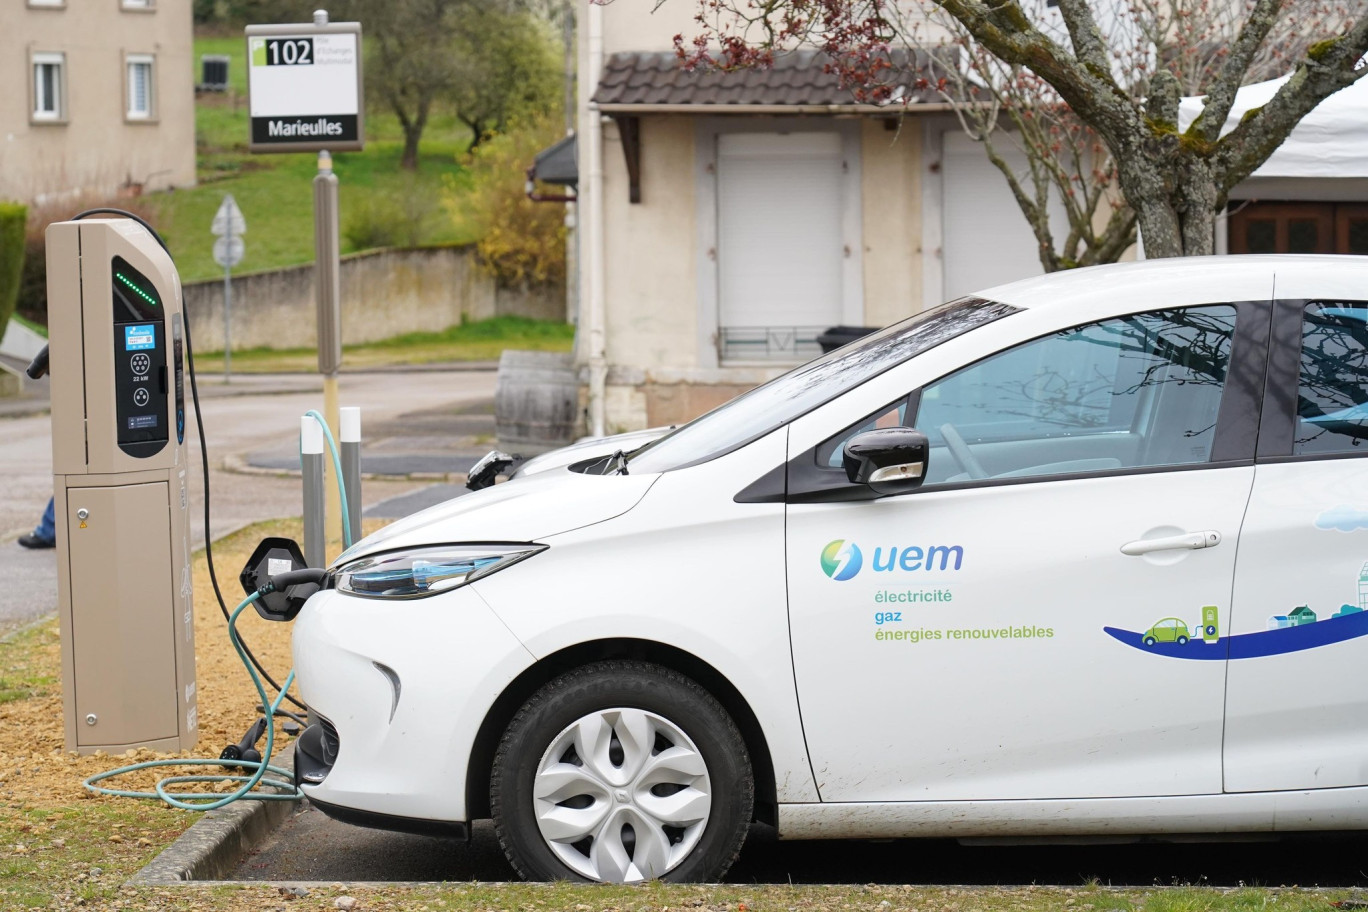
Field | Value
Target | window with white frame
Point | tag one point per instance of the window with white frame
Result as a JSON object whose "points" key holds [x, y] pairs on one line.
{"points": [[140, 95], [49, 74], [136, 4], [47, 2]]}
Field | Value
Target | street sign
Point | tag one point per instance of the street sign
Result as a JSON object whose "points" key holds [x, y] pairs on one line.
{"points": [[227, 228], [228, 220], [304, 87], [228, 251]]}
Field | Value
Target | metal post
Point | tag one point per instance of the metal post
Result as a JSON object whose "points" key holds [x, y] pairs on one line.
{"points": [[311, 465], [327, 265], [350, 447], [228, 308], [572, 237]]}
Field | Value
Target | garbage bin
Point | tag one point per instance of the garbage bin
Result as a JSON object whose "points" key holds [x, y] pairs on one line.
{"points": [[836, 336]]}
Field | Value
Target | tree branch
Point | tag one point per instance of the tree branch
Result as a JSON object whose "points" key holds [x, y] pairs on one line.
{"points": [[1328, 67], [1089, 47], [1220, 95], [1094, 97]]}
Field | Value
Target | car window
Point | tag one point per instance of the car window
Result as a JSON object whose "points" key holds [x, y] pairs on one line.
{"points": [[1136, 391], [754, 414], [1332, 394]]}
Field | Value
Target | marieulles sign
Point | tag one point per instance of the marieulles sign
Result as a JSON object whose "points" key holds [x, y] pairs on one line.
{"points": [[304, 87]]}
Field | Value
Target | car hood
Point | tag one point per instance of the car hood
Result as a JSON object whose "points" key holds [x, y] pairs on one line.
{"points": [[521, 510]]}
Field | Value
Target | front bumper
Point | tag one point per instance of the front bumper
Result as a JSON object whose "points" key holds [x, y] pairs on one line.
{"points": [[311, 766], [405, 686]]}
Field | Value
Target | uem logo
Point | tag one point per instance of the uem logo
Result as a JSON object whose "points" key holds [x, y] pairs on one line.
{"points": [[841, 561]]}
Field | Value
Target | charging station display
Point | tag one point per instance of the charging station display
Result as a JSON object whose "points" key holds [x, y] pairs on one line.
{"points": [[140, 362]]}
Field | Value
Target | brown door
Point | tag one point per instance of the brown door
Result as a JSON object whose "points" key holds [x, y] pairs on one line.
{"points": [[1285, 228], [1351, 228]]}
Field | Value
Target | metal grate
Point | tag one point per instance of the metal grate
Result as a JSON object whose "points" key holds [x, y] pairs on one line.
{"points": [[214, 70], [768, 343]]}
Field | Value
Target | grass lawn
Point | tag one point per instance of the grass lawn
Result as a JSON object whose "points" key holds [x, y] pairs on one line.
{"points": [[481, 341], [275, 192]]}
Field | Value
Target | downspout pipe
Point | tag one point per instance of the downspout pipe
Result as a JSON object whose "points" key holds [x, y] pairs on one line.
{"points": [[596, 298]]}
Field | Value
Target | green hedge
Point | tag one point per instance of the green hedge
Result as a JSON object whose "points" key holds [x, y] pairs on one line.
{"points": [[12, 218]]}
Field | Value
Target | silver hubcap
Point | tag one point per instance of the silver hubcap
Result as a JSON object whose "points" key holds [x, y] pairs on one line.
{"points": [[622, 795]]}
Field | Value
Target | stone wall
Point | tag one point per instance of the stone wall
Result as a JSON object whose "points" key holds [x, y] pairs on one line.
{"points": [[385, 293]]}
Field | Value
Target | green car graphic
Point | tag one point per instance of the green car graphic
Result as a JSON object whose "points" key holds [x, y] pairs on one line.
{"points": [[1168, 630]]}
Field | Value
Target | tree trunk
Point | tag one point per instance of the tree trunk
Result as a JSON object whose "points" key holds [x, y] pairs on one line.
{"points": [[409, 160], [413, 132], [477, 131]]}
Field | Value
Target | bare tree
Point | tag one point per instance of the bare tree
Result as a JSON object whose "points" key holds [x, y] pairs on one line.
{"points": [[1091, 91]]}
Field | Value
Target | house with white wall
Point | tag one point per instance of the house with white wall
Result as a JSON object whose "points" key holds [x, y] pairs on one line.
{"points": [[99, 99], [727, 219]]}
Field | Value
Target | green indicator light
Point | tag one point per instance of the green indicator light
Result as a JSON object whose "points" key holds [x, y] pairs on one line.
{"points": [[140, 293]]}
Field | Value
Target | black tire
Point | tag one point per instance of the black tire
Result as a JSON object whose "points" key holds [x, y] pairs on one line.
{"points": [[664, 693], [1182, 641], [1150, 641]]}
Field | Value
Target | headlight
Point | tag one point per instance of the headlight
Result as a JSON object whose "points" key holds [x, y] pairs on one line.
{"points": [[420, 572]]}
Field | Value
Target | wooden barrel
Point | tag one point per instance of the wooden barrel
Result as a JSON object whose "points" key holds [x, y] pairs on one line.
{"points": [[536, 401]]}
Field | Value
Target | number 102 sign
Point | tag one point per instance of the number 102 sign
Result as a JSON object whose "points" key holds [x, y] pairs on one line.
{"points": [[304, 87]]}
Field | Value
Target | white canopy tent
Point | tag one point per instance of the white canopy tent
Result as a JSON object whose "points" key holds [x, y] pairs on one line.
{"points": [[1331, 141]]}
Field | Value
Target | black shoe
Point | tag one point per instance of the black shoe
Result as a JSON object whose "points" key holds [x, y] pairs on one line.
{"points": [[33, 541]]}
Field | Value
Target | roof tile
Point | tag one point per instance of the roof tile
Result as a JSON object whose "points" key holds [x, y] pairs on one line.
{"points": [[796, 78]]}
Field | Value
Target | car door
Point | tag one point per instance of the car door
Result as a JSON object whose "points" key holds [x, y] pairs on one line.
{"points": [[985, 637], [1297, 700]]}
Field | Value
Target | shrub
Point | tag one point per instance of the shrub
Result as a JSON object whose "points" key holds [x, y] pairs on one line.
{"points": [[12, 219], [389, 219], [33, 281], [522, 243]]}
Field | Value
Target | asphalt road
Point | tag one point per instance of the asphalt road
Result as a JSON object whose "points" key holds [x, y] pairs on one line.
{"points": [[310, 847]]}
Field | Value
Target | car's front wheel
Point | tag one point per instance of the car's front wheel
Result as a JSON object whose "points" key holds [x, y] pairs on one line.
{"points": [[621, 772]]}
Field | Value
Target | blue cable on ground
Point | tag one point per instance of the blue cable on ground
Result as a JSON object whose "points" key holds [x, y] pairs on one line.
{"points": [[281, 779], [202, 801]]}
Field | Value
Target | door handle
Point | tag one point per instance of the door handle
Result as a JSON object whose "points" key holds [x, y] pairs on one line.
{"points": [[1192, 541]]}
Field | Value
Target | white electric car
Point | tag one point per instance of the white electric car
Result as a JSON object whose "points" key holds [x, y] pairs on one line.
{"points": [[1082, 555]]}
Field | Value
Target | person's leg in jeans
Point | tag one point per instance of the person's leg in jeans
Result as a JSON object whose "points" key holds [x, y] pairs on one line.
{"points": [[45, 536]]}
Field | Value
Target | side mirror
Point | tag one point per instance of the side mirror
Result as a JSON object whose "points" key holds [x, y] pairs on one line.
{"points": [[889, 460]]}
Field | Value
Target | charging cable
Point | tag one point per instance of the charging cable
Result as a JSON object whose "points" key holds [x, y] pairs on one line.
{"points": [[203, 445], [337, 470], [281, 780]]}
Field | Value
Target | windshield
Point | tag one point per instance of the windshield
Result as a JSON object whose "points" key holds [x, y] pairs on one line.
{"points": [[754, 414]]}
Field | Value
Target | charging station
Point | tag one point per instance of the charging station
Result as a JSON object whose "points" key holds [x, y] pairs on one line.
{"points": [[116, 339]]}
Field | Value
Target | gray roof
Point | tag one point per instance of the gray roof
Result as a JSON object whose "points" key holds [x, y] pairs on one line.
{"points": [[558, 163], [796, 78]]}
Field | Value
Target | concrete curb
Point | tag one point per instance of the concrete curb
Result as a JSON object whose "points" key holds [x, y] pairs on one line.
{"points": [[216, 843], [26, 626]]}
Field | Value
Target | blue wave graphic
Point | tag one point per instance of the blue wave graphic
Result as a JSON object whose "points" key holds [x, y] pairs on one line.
{"points": [[1255, 645]]}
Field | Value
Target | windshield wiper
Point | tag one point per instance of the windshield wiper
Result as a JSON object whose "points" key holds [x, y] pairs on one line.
{"points": [[617, 464]]}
